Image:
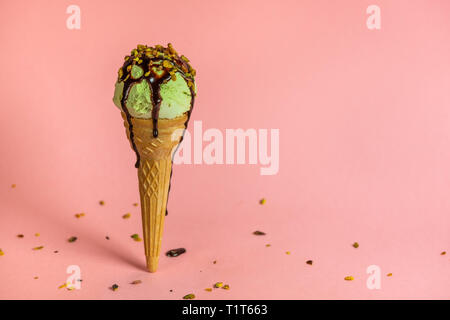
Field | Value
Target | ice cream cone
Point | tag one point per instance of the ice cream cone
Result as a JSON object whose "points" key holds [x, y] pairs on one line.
{"points": [[154, 173]]}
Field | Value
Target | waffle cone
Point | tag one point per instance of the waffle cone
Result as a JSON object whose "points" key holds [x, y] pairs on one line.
{"points": [[154, 176]]}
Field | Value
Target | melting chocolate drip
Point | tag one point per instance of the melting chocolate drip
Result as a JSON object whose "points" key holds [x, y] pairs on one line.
{"points": [[155, 81], [126, 92], [175, 252]]}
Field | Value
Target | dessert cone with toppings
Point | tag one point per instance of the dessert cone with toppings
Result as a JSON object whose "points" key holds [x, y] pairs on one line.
{"points": [[155, 92]]}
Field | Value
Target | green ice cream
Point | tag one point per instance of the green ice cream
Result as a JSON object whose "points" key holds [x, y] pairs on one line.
{"points": [[157, 83]]}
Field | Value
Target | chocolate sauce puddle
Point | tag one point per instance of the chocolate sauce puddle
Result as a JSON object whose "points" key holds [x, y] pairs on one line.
{"points": [[175, 252]]}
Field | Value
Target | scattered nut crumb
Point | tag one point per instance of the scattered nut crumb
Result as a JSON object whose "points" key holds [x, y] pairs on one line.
{"points": [[259, 233], [114, 287], [218, 285], [13, 185], [56, 251], [79, 215], [126, 216], [288, 252], [1, 252], [310, 262], [101, 202], [215, 261], [443, 253], [135, 204], [349, 278], [107, 238], [37, 234], [72, 239], [38, 248], [208, 289], [268, 245], [20, 236], [136, 282], [389, 274], [189, 296], [62, 286], [35, 278], [355, 245], [262, 201], [226, 287], [136, 237]]}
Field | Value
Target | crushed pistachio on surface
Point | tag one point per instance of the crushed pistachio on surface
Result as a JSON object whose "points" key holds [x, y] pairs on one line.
{"points": [[38, 248], [389, 274], [443, 253], [208, 289], [136, 237], [355, 245], [114, 287], [126, 216], [79, 215], [310, 262], [72, 239], [349, 278], [218, 285], [189, 296], [262, 201], [226, 287], [20, 236], [101, 202], [136, 282]]}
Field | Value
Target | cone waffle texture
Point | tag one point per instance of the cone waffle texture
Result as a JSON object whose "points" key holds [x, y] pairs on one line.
{"points": [[154, 176]]}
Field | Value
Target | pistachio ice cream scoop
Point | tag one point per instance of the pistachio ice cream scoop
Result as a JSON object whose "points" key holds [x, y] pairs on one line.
{"points": [[155, 92], [155, 83]]}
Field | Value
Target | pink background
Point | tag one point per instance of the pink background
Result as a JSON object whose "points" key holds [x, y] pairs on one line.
{"points": [[364, 119]]}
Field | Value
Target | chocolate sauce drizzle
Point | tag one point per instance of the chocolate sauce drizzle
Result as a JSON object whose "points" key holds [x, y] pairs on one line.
{"points": [[155, 81]]}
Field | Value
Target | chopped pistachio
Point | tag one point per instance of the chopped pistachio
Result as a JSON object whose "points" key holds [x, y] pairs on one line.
{"points": [[101, 202], [262, 201], [389, 274], [349, 278], [189, 296], [226, 287], [355, 245], [20, 236], [136, 282], [126, 216], [218, 285], [310, 262], [72, 239], [38, 248], [114, 287], [136, 237], [208, 289]]}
